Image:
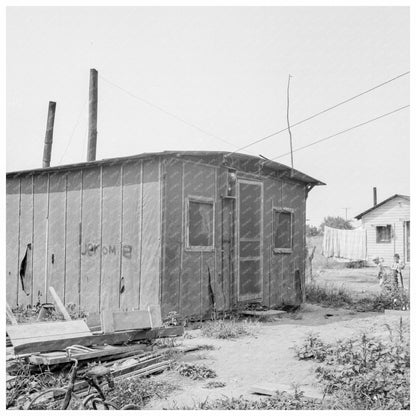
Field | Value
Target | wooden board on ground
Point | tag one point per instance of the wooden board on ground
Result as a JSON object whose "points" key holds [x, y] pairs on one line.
{"points": [[155, 316], [59, 304], [10, 315], [270, 312], [112, 321], [90, 340], [46, 331], [59, 357]]}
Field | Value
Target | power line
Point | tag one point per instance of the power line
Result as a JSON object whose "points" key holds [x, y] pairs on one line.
{"points": [[73, 132], [194, 126], [343, 131], [319, 113]]}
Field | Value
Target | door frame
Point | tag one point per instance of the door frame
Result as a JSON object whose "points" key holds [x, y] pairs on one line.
{"points": [[245, 298]]}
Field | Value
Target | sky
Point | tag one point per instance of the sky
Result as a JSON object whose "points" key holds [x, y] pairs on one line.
{"points": [[215, 78]]}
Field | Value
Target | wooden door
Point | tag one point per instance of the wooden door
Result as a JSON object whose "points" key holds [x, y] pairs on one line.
{"points": [[249, 239]]}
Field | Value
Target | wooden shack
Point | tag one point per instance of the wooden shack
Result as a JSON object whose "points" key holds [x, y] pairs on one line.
{"points": [[192, 231]]}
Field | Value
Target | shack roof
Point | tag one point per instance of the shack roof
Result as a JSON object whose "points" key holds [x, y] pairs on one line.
{"points": [[237, 161], [359, 216]]}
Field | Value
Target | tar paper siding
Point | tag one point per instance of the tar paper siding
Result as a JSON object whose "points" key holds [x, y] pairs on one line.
{"points": [[395, 213], [115, 236], [94, 232], [186, 274]]}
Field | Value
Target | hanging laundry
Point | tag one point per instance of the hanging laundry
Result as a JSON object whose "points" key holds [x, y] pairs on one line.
{"points": [[346, 244], [26, 270]]}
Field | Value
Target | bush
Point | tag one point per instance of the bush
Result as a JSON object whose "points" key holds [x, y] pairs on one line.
{"points": [[391, 297], [363, 373]]}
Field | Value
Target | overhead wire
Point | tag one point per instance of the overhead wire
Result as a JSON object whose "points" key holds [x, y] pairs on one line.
{"points": [[169, 113], [319, 113], [73, 132], [343, 131]]}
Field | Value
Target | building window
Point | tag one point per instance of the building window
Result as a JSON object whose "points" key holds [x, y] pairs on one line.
{"points": [[383, 234], [282, 230], [200, 225]]}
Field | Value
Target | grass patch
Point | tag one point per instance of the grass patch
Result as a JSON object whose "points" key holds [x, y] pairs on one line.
{"points": [[196, 371], [138, 391], [214, 385], [363, 373], [282, 401], [223, 329]]}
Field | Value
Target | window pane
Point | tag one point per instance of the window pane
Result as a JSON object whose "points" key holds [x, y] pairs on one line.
{"points": [[383, 234], [282, 229], [200, 224]]}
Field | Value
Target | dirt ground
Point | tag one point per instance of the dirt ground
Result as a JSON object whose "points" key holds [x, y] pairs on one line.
{"points": [[267, 357]]}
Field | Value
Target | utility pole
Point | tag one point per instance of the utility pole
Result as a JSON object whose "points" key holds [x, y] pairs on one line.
{"points": [[346, 212], [92, 116], [288, 125], [47, 147]]}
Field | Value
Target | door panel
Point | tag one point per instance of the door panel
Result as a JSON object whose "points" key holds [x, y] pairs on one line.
{"points": [[250, 226]]}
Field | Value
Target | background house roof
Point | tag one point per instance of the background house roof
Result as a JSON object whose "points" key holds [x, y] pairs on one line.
{"points": [[359, 216]]}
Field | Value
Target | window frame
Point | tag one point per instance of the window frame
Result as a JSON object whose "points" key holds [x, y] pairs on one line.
{"points": [[286, 210], [388, 226], [201, 200]]}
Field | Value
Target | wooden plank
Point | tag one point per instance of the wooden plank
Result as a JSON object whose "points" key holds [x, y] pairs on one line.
{"points": [[59, 357], [59, 304], [46, 331], [271, 312], [264, 389], [10, 315], [87, 341], [112, 321], [155, 316]]}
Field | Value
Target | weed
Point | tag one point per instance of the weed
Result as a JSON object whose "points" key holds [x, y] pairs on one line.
{"points": [[391, 297], [363, 373], [312, 348], [195, 371], [214, 385], [138, 391], [227, 329], [282, 401]]}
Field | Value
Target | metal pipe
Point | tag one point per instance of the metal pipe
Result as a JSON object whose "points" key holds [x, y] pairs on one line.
{"points": [[374, 196], [47, 148], [92, 116]]}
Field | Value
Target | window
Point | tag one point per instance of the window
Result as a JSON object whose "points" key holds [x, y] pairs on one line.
{"points": [[383, 234], [282, 230], [200, 225]]}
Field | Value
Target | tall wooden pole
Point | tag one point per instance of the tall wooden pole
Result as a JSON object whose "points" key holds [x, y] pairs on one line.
{"points": [[288, 126], [47, 147], [92, 116]]}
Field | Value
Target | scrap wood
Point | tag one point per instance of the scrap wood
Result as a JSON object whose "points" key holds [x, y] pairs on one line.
{"points": [[265, 389], [59, 357], [46, 331], [270, 312], [10, 315], [59, 304], [90, 340]]}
